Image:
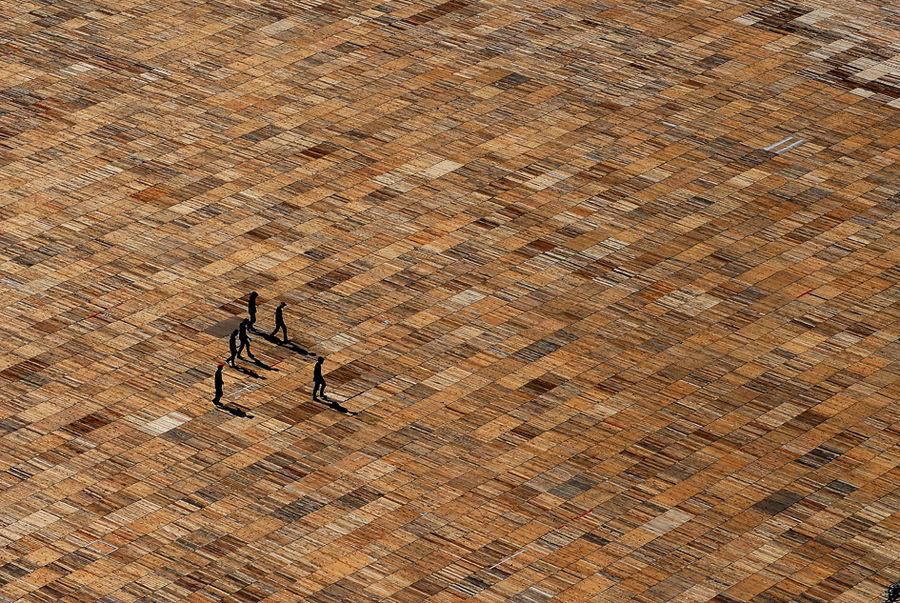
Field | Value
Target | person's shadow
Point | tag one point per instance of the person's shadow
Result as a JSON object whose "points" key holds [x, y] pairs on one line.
{"points": [[287, 344], [335, 405], [263, 365], [238, 412], [249, 372]]}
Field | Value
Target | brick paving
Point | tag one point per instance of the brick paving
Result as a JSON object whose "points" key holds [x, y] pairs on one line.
{"points": [[612, 286]]}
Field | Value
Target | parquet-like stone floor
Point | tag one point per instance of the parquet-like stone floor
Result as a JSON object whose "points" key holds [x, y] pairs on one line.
{"points": [[614, 285]]}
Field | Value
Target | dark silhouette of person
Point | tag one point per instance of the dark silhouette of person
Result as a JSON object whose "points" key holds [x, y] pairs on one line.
{"points": [[233, 347], [251, 309], [244, 339], [318, 380], [279, 323], [219, 384]]}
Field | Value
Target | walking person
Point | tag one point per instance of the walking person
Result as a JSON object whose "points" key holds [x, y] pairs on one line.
{"points": [[244, 339], [218, 384], [318, 380], [279, 323], [251, 310], [233, 347]]}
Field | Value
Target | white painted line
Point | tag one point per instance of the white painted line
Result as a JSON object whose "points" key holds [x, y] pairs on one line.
{"points": [[237, 393], [779, 143], [790, 146], [112, 546], [505, 560]]}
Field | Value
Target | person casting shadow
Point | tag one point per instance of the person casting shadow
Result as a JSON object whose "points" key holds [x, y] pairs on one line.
{"points": [[318, 380], [233, 347], [251, 310], [279, 323], [245, 339], [218, 385]]}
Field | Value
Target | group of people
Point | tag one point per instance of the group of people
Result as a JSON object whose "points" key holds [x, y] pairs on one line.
{"points": [[239, 341], [241, 333]]}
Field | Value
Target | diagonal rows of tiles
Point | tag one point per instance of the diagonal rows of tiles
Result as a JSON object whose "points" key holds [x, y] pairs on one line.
{"points": [[614, 286]]}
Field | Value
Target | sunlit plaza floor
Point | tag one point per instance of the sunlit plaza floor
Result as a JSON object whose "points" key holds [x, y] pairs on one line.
{"points": [[613, 288]]}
